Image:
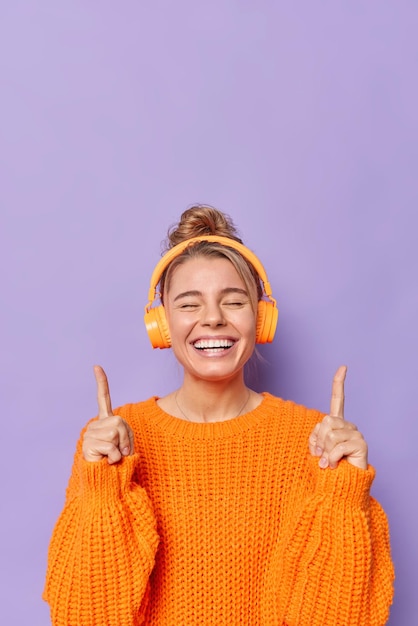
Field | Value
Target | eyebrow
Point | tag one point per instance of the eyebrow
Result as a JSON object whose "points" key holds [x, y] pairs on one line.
{"points": [[226, 291]]}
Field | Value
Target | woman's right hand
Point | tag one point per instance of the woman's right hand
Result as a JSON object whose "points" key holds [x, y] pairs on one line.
{"points": [[110, 435]]}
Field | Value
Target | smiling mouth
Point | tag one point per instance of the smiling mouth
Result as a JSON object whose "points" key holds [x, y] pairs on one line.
{"points": [[213, 345]]}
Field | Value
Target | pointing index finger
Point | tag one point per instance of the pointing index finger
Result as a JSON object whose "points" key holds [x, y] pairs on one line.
{"points": [[337, 393], [103, 394]]}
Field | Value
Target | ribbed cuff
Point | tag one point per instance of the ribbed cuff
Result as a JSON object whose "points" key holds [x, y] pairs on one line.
{"points": [[108, 481], [346, 482]]}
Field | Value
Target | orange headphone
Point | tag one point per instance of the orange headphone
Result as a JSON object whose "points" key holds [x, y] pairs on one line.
{"points": [[155, 318]]}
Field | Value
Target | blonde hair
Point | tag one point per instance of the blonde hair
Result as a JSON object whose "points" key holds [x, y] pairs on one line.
{"points": [[201, 220]]}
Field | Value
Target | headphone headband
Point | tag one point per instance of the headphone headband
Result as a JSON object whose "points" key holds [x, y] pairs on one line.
{"points": [[225, 241]]}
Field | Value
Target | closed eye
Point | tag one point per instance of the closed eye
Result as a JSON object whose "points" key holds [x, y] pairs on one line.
{"points": [[188, 306], [236, 303]]}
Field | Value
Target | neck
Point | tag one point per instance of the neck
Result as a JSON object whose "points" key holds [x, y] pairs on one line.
{"points": [[207, 401]]}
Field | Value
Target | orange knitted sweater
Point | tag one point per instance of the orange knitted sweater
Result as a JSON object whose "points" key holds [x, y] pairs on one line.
{"points": [[228, 523]]}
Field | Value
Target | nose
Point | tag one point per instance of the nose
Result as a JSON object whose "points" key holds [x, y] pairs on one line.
{"points": [[212, 315]]}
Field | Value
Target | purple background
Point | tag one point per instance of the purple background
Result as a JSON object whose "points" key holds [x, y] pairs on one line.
{"points": [[298, 119]]}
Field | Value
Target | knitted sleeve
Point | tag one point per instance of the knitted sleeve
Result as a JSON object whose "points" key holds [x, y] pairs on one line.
{"points": [[102, 549], [333, 567]]}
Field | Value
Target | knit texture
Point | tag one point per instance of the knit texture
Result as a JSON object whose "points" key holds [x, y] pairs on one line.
{"points": [[228, 523]]}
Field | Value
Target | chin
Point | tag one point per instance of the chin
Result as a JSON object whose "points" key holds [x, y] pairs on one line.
{"points": [[213, 369], [214, 374]]}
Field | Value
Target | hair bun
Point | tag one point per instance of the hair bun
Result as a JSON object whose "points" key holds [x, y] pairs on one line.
{"points": [[201, 220]]}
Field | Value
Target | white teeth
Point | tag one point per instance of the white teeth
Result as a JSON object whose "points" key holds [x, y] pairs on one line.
{"points": [[213, 343]]}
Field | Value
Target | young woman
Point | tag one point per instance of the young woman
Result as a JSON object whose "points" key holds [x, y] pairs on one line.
{"points": [[216, 504]]}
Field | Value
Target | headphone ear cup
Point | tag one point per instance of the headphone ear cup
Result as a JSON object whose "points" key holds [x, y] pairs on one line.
{"points": [[157, 327], [267, 317]]}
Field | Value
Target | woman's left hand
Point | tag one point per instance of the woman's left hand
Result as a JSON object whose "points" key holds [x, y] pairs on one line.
{"points": [[334, 438]]}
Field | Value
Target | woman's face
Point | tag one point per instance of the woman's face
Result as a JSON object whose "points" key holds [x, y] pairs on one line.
{"points": [[212, 323]]}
